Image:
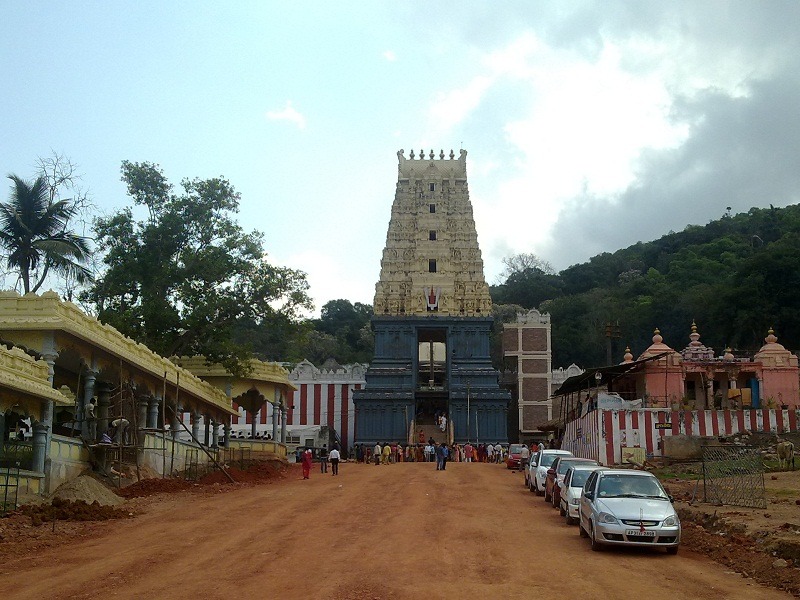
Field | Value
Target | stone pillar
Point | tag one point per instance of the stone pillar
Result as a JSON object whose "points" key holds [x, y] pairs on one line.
{"points": [[3, 430], [709, 404], [153, 406], [283, 423], [254, 424], [89, 378], [207, 432], [143, 403], [175, 424], [275, 415], [40, 441], [215, 435], [48, 407], [227, 429], [103, 402], [196, 424]]}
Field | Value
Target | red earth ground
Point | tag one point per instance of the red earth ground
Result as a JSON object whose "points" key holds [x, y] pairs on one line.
{"points": [[387, 532]]}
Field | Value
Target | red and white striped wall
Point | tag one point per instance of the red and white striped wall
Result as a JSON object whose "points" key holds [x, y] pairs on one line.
{"points": [[323, 397], [601, 434]]}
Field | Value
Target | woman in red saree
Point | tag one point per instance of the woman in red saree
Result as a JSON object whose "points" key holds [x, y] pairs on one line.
{"points": [[308, 457]]}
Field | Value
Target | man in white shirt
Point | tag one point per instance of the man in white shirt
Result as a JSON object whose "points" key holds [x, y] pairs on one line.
{"points": [[334, 458], [524, 455], [498, 452], [376, 453]]}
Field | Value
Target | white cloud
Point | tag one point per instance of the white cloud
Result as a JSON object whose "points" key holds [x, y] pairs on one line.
{"points": [[288, 113], [330, 278], [389, 55]]}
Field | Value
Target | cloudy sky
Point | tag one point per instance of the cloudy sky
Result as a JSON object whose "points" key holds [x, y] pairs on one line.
{"points": [[589, 125]]}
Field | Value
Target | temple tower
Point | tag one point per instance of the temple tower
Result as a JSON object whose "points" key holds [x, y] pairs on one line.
{"points": [[432, 317]]}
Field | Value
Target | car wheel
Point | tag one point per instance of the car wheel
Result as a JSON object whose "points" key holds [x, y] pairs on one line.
{"points": [[672, 550], [554, 501], [546, 495], [531, 487], [596, 547], [561, 511], [581, 530], [570, 520]]}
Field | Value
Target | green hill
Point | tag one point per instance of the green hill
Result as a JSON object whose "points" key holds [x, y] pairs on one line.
{"points": [[735, 277]]}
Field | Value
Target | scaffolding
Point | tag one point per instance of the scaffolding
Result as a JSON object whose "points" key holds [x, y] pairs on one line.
{"points": [[129, 442]]}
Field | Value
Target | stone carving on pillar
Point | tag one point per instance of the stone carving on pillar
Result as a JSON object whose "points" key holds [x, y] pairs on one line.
{"points": [[103, 403], [153, 407], [196, 424], [143, 402], [175, 423], [215, 434], [83, 411]]}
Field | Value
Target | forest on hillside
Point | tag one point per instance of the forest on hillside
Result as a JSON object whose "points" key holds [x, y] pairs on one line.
{"points": [[735, 277]]}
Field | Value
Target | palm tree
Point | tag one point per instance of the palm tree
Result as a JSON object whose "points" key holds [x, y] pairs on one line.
{"points": [[33, 231]]}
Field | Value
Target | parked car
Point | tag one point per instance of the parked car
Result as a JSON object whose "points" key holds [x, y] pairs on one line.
{"points": [[514, 450], [570, 496], [628, 508], [555, 476], [538, 473]]}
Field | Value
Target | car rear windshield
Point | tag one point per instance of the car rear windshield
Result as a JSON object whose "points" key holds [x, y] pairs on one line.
{"points": [[515, 449], [579, 478], [630, 485], [548, 459]]}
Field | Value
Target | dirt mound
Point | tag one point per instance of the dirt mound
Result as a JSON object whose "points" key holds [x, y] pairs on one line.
{"points": [[72, 510], [259, 472], [729, 544], [148, 487], [87, 489]]}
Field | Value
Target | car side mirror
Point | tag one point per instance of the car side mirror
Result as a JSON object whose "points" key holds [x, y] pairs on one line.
{"points": [[671, 499], [589, 495], [550, 471]]}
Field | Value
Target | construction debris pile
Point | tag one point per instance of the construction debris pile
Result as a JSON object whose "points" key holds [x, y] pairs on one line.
{"points": [[72, 510]]}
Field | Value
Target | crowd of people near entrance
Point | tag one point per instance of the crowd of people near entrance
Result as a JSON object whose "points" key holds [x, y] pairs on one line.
{"points": [[389, 453]]}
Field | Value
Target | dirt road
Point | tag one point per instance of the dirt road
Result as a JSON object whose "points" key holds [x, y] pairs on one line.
{"points": [[388, 532]]}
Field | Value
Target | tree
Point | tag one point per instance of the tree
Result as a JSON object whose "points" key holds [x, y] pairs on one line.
{"points": [[35, 232], [525, 261], [183, 279]]}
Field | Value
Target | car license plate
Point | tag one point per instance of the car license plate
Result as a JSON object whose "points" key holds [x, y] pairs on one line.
{"points": [[638, 532]]}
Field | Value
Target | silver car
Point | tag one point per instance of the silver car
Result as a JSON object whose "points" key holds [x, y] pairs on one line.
{"points": [[574, 480], [537, 469], [628, 508]]}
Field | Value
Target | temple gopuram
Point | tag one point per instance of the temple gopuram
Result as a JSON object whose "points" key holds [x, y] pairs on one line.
{"points": [[431, 375]]}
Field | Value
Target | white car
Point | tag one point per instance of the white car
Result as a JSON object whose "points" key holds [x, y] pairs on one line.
{"points": [[570, 496], [537, 468], [622, 507]]}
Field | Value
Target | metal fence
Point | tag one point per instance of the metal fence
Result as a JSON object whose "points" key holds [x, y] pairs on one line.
{"points": [[14, 456], [734, 475]]}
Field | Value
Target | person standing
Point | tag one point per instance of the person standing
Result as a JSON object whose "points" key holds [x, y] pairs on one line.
{"points": [[498, 453], [524, 456], [468, 450], [334, 456], [308, 458], [376, 453], [387, 453], [439, 454], [323, 459], [445, 455]]}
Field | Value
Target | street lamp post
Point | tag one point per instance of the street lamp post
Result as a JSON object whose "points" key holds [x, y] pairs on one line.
{"points": [[598, 377]]}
